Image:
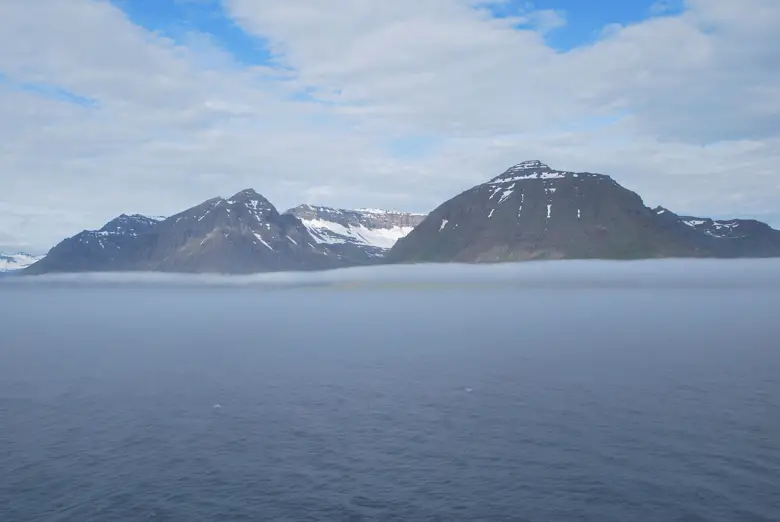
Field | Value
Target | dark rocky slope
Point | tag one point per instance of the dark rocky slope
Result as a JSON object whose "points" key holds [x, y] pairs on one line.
{"points": [[98, 250], [534, 212]]}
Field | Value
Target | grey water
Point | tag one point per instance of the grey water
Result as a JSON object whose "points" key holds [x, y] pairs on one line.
{"points": [[537, 392]]}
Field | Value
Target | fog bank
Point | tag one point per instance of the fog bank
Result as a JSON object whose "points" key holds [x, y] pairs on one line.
{"points": [[646, 273]]}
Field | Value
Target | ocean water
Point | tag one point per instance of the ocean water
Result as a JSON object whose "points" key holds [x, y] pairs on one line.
{"points": [[538, 392]]}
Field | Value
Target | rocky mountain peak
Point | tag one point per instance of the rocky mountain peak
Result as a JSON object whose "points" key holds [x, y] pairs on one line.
{"points": [[255, 204], [530, 165], [247, 196], [129, 224], [533, 169], [536, 170]]}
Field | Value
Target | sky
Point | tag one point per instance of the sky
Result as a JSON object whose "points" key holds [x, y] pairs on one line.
{"points": [[153, 106]]}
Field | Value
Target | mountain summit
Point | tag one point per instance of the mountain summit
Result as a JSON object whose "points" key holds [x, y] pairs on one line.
{"points": [[98, 250], [241, 234], [532, 211]]}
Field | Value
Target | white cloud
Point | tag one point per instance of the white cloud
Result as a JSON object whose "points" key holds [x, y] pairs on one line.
{"points": [[685, 109]]}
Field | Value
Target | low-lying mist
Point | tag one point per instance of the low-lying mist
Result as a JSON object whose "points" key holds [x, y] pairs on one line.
{"points": [[646, 273]]}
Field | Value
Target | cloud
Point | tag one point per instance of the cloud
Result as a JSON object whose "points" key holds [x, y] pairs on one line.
{"points": [[440, 64], [660, 7], [683, 108]]}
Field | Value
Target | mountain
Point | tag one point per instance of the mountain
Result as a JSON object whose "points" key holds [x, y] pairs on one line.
{"points": [[241, 234], [18, 261], [362, 235], [731, 237], [532, 211], [97, 250]]}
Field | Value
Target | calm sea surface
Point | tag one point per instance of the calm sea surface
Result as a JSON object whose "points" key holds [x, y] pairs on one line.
{"points": [[626, 393]]}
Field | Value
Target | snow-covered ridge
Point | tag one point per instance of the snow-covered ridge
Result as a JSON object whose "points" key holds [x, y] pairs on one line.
{"points": [[697, 222], [333, 210], [18, 261], [255, 204], [381, 211], [511, 176], [332, 233], [536, 170], [532, 175], [528, 165], [128, 225], [719, 229], [372, 228], [119, 228]]}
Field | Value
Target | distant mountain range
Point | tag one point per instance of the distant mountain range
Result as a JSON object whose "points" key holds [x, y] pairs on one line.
{"points": [[241, 234], [17, 261], [531, 211]]}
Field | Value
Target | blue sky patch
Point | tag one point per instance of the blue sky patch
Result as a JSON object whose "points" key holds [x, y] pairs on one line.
{"points": [[176, 19], [52, 92], [411, 146], [585, 20]]}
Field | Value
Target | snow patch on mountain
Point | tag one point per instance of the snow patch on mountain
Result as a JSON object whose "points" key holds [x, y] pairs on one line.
{"points": [[531, 175], [263, 241], [719, 229], [368, 210], [120, 228], [536, 170], [332, 233], [376, 230]]}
